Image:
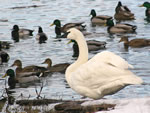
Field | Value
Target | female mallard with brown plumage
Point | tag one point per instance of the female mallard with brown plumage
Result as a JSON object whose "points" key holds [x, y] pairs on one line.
{"points": [[100, 19], [62, 29], [119, 28], [141, 42], [57, 67], [28, 69], [123, 12]]}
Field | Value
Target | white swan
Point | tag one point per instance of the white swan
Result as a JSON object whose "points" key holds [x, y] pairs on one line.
{"points": [[104, 74]]}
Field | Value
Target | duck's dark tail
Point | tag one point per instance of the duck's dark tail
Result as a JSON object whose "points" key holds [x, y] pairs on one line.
{"points": [[31, 32]]}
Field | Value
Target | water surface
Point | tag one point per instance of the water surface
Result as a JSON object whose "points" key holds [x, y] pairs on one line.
{"points": [[29, 51]]}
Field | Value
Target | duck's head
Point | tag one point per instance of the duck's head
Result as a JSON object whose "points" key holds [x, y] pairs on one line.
{"points": [[9, 73], [17, 63], [93, 13], [110, 22], [48, 61], [16, 28], [56, 22], [124, 39], [40, 30], [119, 4], [74, 34], [145, 4], [0, 45]]}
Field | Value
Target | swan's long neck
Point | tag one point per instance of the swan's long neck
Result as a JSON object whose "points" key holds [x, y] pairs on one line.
{"points": [[83, 54]]}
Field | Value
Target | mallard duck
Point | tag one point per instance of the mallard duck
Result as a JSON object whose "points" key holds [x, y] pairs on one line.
{"points": [[119, 28], [99, 76], [100, 19], [147, 12], [11, 79], [41, 36], [28, 69], [56, 68], [93, 45], [59, 29], [135, 42], [20, 33], [4, 57], [5, 44], [32, 68], [21, 78], [123, 12]]}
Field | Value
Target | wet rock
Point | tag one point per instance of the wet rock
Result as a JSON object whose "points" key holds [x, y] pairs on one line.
{"points": [[37, 102], [75, 107]]}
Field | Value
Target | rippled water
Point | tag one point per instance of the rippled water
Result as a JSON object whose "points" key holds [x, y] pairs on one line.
{"points": [[30, 52]]}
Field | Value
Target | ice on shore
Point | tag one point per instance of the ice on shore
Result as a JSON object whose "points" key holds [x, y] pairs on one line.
{"points": [[136, 105]]}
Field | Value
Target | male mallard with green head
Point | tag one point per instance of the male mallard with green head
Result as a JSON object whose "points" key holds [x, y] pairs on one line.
{"points": [[93, 45], [147, 11], [59, 29], [11, 79], [100, 19], [119, 28], [23, 77]]}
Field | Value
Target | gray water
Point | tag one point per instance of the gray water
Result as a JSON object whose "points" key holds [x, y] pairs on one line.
{"points": [[30, 52]]}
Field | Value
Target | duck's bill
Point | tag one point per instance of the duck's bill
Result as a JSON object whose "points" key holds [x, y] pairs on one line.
{"points": [[141, 6], [12, 65], [4, 75], [69, 42], [43, 62], [51, 24]]}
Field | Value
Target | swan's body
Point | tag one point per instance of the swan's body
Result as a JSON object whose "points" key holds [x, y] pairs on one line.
{"points": [[101, 75]]}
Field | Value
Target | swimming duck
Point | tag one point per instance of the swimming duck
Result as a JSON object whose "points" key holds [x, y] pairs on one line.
{"points": [[123, 12], [56, 68], [119, 28], [100, 19], [27, 69], [147, 12], [59, 29], [23, 77], [11, 79], [141, 42], [93, 45], [41, 36], [20, 33], [32, 68], [99, 76], [5, 44], [4, 57]]}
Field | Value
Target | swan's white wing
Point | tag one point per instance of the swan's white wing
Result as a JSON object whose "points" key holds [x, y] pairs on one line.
{"points": [[111, 58], [96, 79]]}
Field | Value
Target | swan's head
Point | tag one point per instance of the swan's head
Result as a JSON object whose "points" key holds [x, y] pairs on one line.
{"points": [[74, 34]]}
